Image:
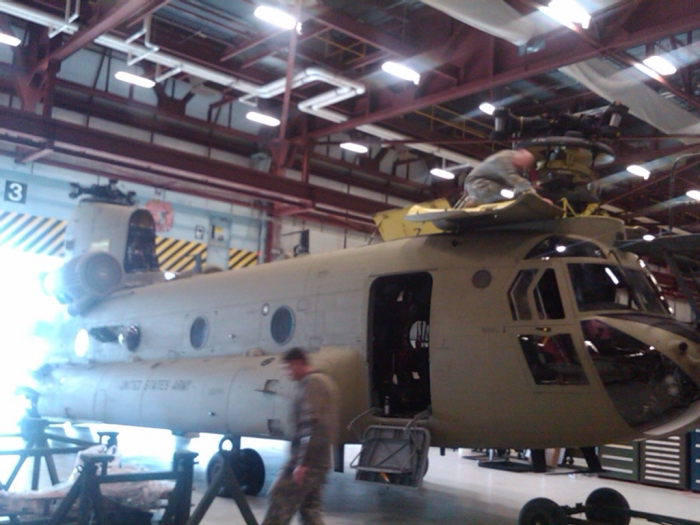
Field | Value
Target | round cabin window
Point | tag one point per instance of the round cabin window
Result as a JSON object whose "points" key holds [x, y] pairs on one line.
{"points": [[199, 332], [282, 325]]}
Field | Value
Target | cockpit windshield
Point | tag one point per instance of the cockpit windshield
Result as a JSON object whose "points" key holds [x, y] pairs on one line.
{"points": [[609, 287], [647, 388], [556, 246]]}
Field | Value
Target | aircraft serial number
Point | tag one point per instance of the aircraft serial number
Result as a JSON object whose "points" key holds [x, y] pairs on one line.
{"points": [[155, 384]]}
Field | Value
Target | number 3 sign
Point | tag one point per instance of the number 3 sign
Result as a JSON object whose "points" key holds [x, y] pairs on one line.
{"points": [[15, 192]]}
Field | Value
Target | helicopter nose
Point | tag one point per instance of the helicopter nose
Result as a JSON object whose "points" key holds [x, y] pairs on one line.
{"points": [[650, 372], [693, 355]]}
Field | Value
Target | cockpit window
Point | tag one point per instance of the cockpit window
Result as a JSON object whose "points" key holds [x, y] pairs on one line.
{"points": [[517, 295], [140, 253], [647, 291], [553, 360], [547, 299], [562, 246], [607, 287]]}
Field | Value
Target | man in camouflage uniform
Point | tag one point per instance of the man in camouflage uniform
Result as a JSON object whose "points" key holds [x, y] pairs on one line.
{"points": [[314, 426], [505, 170]]}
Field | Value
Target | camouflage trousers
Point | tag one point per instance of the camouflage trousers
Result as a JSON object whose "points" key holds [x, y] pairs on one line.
{"points": [[287, 497], [484, 191]]}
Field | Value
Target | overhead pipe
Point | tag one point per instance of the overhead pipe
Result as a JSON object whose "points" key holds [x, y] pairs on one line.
{"points": [[345, 87], [386, 134]]}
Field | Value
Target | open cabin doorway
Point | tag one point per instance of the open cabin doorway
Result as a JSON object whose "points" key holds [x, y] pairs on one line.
{"points": [[399, 343]]}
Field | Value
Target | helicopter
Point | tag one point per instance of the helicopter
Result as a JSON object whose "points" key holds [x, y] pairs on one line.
{"points": [[508, 325]]}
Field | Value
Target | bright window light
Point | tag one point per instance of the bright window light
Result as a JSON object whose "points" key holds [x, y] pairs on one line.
{"points": [[660, 65], [30, 324], [639, 171], [276, 17], [262, 119], [567, 12], [401, 71], [9, 40], [356, 148], [487, 108], [134, 79], [648, 237], [508, 194], [694, 194], [443, 174], [81, 344]]}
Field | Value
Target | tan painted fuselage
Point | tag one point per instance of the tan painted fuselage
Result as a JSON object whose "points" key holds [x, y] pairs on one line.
{"points": [[481, 389]]}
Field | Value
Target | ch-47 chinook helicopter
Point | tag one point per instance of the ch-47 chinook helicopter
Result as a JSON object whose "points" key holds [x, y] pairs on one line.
{"points": [[502, 326]]}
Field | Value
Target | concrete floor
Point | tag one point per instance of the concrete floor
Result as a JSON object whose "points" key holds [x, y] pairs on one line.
{"points": [[455, 490]]}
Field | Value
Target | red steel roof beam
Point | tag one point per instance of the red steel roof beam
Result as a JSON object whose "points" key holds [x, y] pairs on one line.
{"points": [[563, 48]]}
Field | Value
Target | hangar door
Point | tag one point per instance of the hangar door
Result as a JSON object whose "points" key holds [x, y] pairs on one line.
{"points": [[399, 343]]}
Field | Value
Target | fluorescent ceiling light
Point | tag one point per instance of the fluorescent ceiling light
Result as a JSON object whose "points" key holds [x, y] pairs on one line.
{"points": [[9, 40], [276, 17], [262, 119], [646, 70], [567, 13], [134, 79], [487, 108], [639, 171], [660, 65], [400, 71], [443, 174], [357, 148], [694, 194]]}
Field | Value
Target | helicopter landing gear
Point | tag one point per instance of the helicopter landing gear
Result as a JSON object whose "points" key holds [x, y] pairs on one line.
{"points": [[246, 464]]}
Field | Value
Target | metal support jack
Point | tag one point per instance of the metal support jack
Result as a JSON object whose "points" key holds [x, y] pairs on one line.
{"points": [[224, 478], [91, 505], [36, 438]]}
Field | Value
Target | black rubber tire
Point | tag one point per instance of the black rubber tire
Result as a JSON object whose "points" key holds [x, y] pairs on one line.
{"points": [[541, 511], [213, 467], [250, 471], [609, 498], [248, 467]]}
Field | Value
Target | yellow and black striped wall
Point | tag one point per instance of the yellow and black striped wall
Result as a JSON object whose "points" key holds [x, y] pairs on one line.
{"points": [[44, 236]]}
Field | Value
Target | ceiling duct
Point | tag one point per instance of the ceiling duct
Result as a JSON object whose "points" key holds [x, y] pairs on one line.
{"points": [[497, 18], [344, 88]]}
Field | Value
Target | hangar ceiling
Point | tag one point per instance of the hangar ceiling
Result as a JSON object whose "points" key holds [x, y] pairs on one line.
{"points": [[213, 60]]}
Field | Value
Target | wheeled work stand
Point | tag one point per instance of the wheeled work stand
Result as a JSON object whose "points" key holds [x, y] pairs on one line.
{"points": [[604, 506]]}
